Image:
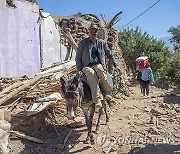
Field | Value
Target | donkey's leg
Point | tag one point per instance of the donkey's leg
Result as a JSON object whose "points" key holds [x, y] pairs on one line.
{"points": [[86, 114], [105, 110], [100, 113], [109, 103], [98, 122], [90, 123]]}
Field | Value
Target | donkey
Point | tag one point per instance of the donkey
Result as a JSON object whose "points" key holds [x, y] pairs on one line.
{"points": [[78, 94]]}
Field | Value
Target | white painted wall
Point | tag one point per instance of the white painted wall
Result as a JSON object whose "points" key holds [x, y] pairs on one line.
{"points": [[19, 39], [51, 49]]}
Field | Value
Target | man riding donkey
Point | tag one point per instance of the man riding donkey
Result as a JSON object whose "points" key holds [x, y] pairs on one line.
{"points": [[91, 60]]}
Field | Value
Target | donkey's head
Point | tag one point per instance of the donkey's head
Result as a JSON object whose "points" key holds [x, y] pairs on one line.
{"points": [[71, 95]]}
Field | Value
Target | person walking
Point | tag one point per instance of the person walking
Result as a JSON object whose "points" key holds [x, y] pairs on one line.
{"points": [[146, 76], [140, 81], [90, 59]]}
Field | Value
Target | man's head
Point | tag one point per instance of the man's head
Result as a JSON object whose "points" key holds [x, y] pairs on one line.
{"points": [[93, 32], [93, 26]]}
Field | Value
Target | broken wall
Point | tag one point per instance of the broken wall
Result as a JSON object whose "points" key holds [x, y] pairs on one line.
{"points": [[75, 28], [52, 51], [20, 39]]}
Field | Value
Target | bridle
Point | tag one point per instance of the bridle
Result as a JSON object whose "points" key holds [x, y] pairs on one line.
{"points": [[79, 99]]}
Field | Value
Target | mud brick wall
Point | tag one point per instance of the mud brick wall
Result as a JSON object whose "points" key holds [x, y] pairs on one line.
{"points": [[78, 25]]}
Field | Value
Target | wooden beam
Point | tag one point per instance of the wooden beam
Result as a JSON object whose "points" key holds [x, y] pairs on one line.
{"points": [[14, 85], [69, 37], [24, 136], [113, 20], [24, 86]]}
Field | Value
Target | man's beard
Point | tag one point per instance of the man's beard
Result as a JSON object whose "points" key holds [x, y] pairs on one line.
{"points": [[94, 36]]}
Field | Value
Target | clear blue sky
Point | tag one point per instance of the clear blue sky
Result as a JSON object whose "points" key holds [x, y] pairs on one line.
{"points": [[156, 21]]}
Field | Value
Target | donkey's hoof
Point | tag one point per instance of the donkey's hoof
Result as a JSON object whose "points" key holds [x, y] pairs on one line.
{"points": [[92, 142], [87, 141], [96, 131], [107, 121]]}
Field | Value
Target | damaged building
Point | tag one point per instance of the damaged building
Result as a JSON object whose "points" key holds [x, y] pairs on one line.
{"points": [[37, 49]]}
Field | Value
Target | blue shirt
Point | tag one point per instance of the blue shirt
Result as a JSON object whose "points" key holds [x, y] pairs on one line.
{"points": [[146, 74], [94, 59]]}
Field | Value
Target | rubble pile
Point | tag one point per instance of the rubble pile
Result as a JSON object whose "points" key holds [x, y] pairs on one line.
{"points": [[4, 131], [32, 89], [26, 97], [10, 3]]}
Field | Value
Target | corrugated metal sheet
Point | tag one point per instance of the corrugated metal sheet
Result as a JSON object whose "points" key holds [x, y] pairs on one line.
{"points": [[51, 49], [20, 40]]}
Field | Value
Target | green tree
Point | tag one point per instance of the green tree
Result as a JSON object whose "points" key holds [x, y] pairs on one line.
{"points": [[170, 73], [175, 31], [164, 63], [134, 43]]}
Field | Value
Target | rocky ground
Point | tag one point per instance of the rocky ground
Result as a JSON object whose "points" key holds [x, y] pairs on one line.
{"points": [[138, 124]]}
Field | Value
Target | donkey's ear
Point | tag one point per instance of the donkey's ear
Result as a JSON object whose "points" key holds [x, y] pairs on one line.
{"points": [[75, 81], [63, 81], [63, 85]]}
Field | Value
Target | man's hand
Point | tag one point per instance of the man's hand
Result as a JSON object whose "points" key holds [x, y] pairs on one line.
{"points": [[117, 67], [80, 73]]}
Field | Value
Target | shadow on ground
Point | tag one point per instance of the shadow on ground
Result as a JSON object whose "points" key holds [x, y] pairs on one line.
{"points": [[53, 136], [157, 149], [172, 99]]}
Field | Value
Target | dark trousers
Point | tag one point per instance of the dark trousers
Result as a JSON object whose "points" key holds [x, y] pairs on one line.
{"points": [[145, 87], [140, 84]]}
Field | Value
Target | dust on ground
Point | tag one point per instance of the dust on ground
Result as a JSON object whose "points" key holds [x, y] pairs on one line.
{"points": [[138, 124]]}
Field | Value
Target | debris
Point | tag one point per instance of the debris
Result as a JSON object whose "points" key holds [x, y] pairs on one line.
{"points": [[46, 102], [152, 120], [67, 137], [147, 109], [153, 131], [177, 135], [15, 85], [70, 39], [4, 131], [177, 109], [21, 135], [124, 149], [154, 101], [10, 3], [158, 112], [25, 85]]}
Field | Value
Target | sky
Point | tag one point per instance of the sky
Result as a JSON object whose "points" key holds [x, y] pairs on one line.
{"points": [[156, 21]]}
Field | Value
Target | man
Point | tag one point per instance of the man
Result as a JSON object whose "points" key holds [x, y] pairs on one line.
{"points": [[90, 59], [146, 76]]}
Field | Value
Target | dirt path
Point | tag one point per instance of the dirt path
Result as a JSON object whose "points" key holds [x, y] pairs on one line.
{"points": [[145, 124], [138, 124]]}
